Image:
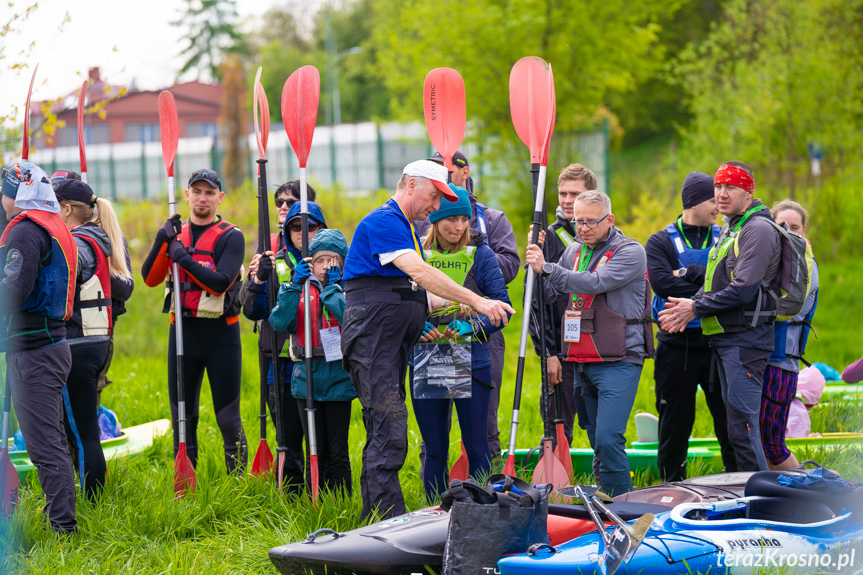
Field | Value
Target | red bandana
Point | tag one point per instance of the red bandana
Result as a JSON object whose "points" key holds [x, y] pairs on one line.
{"points": [[734, 176]]}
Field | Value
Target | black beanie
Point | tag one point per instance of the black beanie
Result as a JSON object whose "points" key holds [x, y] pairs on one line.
{"points": [[697, 188]]}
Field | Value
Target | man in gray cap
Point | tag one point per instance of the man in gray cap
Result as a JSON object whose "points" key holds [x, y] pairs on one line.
{"points": [[501, 239], [36, 246], [386, 278], [676, 259]]}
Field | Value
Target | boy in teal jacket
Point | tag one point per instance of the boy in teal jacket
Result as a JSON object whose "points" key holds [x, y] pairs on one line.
{"points": [[333, 391]]}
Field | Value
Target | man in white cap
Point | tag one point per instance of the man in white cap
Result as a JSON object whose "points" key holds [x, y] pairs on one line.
{"points": [[386, 279], [37, 289]]}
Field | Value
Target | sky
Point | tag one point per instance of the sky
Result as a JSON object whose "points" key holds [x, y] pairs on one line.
{"points": [[131, 41]]}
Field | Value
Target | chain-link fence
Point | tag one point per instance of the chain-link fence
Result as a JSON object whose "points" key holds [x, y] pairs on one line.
{"points": [[359, 157]]}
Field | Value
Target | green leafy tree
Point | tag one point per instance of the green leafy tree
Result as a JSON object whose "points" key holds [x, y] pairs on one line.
{"points": [[771, 77], [212, 33]]}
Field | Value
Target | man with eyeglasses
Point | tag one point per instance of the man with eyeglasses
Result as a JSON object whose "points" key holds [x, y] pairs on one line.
{"points": [[386, 278], [735, 307], [209, 251], [282, 257], [606, 329], [676, 261]]}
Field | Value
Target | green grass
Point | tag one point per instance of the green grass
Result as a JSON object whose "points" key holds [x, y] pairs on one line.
{"points": [[229, 523]]}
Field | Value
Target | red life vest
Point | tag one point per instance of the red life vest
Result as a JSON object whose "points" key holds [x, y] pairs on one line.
{"points": [[54, 292], [318, 320], [603, 330], [274, 242], [196, 301], [92, 314]]}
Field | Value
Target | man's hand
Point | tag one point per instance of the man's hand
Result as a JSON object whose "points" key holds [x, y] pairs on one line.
{"points": [[540, 241], [535, 258], [678, 313], [554, 369], [264, 267], [170, 229], [176, 251], [495, 310]]}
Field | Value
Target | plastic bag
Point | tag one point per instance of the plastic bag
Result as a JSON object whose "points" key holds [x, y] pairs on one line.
{"points": [[109, 427], [810, 385], [442, 369], [799, 424]]}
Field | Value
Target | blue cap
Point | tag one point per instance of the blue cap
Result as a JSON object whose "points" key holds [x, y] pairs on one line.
{"points": [[460, 207]]}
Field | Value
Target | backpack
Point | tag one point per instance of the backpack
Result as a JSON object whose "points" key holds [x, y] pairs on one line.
{"points": [[794, 276]]}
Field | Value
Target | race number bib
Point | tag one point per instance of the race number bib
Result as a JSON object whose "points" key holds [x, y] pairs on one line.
{"points": [[331, 340], [572, 326]]}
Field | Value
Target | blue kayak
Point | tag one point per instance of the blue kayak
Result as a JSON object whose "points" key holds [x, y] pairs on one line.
{"points": [[777, 529]]}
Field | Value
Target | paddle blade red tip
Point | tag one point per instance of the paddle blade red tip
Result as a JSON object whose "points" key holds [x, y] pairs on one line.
{"points": [[549, 469], [25, 145], [169, 125], [461, 468], [316, 488], [262, 127], [509, 466], [444, 110], [280, 466], [262, 464], [82, 98], [300, 98], [562, 451], [532, 105], [8, 484], [184, 473]]}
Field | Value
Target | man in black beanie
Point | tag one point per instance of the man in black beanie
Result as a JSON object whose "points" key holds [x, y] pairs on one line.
{"points": [[676, 260]]}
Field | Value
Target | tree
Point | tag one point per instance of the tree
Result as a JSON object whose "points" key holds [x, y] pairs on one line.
{"points": [[212, 35], [233, 122], [771, 77]]}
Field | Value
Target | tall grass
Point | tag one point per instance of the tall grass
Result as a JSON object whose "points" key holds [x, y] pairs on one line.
{"points": [[229, 523]]}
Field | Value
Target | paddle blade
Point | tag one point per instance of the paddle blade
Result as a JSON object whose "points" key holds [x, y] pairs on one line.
{"points": [[169, 125], [562, 450], [509, 465], [532, 105], [617, 545], [549, 469], [300, 109], [313, 464], [25, 145], [184, 473], [8, 484], [262, 128], [637, 532], [461, 468], [280, 474], [82, 97], [262, 464], [444, 109]]}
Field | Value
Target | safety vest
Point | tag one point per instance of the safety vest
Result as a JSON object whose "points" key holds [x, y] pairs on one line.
{"points": [[53, 293], [283, 269], [195, 301], [92, 313], [456, 265], [603, 330], [564, 236], [319, 317], [716, 280], [687, 256]]}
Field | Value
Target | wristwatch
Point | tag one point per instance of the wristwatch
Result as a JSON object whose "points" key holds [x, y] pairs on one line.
{"points": [[546, 269], [681, 272]]}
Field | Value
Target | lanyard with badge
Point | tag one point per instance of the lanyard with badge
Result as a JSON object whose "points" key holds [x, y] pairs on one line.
{"points": [[680, 227], [331, 339], [572, 317], [416, 243]]}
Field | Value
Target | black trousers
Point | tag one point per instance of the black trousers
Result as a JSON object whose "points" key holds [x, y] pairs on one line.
{"points": [[80, 414], [213, 346], [332, 423], [678, 372]]}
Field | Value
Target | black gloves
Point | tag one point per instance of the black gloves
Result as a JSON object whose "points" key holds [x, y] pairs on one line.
{"points": [[265, 267], [170, 229]]}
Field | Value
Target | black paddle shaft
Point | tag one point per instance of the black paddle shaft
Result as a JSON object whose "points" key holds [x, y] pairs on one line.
{"points": [[540, 221]]}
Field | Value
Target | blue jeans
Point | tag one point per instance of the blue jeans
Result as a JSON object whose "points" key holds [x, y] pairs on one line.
{"points": [[609, 394], [433, 419]]}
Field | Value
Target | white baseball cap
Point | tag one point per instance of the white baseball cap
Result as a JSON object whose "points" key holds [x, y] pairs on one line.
{"points": [[434, 172]]}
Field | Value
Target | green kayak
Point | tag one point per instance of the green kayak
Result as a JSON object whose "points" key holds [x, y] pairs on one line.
{"points": [[842, 389], [133, 441], [712, 443]]}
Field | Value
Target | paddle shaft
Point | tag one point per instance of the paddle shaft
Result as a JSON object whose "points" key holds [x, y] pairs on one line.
{"points": [[307, 321], [178, 327], [525, 318]]}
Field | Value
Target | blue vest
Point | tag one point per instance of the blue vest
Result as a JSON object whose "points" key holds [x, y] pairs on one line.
{"points": [[481, 222], [780, 334], [686, 256]]}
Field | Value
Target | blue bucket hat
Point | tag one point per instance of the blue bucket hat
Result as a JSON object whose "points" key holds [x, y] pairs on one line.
{"points": [[460, 207]]}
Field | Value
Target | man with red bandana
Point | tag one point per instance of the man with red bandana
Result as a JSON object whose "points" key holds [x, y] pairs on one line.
{"points": [[734, 307]]}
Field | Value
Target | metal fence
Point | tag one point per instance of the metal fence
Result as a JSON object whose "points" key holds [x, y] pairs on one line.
{"points": [[361, 158]]}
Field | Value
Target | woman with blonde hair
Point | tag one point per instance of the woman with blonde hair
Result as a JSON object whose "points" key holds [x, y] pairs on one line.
{"points": [[101, 264]]}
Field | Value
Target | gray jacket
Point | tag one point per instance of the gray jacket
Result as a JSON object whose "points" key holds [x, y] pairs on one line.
{"points": [[621, 279]]}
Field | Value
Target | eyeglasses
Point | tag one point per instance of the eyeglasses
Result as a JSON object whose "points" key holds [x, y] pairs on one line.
{"points": [[591, 224], [281, 203], [299, 227]]}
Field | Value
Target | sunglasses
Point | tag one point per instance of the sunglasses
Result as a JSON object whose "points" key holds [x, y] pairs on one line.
{"points": [[299, 227], [280, 203]]}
